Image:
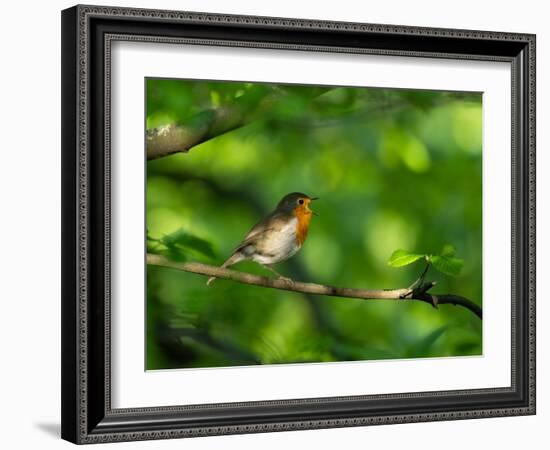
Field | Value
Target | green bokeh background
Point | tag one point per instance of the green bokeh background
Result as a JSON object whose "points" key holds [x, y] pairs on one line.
{"points": [[393, 169]]}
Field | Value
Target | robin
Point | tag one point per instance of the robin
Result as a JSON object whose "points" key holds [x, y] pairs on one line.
{"points": [[278, 236]]}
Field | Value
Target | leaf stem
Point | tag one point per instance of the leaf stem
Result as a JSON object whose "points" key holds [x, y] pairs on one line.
{"points": [[420, 279]]}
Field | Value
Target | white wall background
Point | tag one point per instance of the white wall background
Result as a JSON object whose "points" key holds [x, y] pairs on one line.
{"points": [[30, 223]]}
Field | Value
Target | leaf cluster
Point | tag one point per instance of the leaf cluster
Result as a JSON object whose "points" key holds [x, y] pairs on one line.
{"points": [[180, 245], [444, 261]]}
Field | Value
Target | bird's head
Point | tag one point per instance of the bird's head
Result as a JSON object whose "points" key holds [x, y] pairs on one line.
{"points": [[298, 203]]}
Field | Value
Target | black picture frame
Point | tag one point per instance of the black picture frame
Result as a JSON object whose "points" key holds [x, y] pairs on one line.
{"points": [[87, 416]]}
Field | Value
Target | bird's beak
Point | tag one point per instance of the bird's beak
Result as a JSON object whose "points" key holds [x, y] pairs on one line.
{"points": [[313, 212]]}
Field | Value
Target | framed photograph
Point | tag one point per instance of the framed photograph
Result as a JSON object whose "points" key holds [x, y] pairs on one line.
{"points": [[282, 224]]}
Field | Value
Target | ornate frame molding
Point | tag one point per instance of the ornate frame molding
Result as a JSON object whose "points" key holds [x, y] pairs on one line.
{"points": [[85, 421]]}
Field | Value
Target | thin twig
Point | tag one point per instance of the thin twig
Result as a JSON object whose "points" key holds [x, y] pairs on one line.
{"points": [[403, 294], [420, 279]]}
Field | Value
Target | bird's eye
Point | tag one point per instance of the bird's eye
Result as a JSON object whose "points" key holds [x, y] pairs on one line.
{"points": [[301, 201]]}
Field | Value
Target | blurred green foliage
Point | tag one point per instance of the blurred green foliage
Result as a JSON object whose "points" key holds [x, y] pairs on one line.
{"points": [[394, 168]]}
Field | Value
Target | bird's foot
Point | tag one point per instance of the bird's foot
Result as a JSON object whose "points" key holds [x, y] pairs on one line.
{"points": [[287, 280]]}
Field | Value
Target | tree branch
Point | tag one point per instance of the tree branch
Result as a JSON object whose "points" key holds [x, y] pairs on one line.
{"points": [[175, 138], [259, 100], [180, 138], [404, 294]]}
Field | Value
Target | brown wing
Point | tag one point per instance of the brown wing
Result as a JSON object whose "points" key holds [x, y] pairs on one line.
{"points": [[274, 221]]}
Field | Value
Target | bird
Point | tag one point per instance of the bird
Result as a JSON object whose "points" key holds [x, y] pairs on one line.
{"points": [[278, 236]]}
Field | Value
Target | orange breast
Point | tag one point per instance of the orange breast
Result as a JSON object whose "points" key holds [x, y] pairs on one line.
{"points": [[302, 225]]}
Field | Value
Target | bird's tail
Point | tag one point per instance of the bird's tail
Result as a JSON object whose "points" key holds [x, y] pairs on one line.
{"points": [[233, 259]]}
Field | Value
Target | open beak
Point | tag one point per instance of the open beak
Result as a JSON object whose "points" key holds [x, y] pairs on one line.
{"points": [[311, 199]]}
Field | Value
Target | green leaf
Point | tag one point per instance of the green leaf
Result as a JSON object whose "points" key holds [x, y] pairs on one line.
{"points": [[448, 250], [152, 247], [448, 265], [174, 253], [400, 258], [185, 240]]}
